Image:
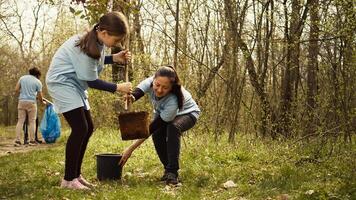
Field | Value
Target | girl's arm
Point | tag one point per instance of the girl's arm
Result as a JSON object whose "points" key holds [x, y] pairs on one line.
{"points": [[127, 153], [120, 57], [108, 60], [102, 85], [110, 87]]}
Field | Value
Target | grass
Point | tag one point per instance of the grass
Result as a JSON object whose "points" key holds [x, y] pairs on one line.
{"points": [[261, 169]]}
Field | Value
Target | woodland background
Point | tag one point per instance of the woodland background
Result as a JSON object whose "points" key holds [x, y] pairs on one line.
{"points": [[275, 80], [278, 69]]}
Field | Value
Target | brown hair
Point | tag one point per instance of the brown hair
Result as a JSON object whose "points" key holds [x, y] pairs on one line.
{"points": [[34, 71], [169, 72], [115, 23]]}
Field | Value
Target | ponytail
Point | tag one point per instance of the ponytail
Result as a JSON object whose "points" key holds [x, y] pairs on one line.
{"points": [[115, 23], [88, 43], [177, 90]]}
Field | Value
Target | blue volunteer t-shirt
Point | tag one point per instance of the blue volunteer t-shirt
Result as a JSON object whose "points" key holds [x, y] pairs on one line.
{"points": [[167, 106], [29, 86], [68, 74]]}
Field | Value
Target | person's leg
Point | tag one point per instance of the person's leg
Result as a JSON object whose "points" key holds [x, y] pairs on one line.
{"points": [[25, 130], [174, 129], [36, 131], [77, 122], [31, 113], [160, 142], [21, 119], [85, 140]]}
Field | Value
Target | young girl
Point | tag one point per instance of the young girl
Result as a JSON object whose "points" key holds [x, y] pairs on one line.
{"points": [[75, 67], [175, 111]]}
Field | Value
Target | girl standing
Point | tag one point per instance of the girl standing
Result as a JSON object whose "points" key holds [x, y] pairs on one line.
{"points": [[75, 67]]}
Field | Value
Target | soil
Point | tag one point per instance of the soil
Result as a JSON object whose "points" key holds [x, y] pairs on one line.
{"points": [[7, 146]]}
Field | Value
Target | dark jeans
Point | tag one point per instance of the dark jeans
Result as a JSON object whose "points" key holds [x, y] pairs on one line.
{"points": [[82, 127], [167, 141], [25, 129]]}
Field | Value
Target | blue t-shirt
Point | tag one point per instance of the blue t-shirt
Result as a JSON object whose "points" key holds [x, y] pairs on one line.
{"points": [[29, 86], [167, 106], [68, 74]]}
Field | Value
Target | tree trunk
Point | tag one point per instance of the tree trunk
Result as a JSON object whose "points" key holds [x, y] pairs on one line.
{"points": [[176, 45], [291, 70], [230, 13], [348, 70], [118, 71], [291, 76], [312, 67]]}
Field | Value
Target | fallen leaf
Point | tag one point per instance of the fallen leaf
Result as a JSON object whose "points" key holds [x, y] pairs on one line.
{"points": [[229, 184], [309, 192], [128, 174]]}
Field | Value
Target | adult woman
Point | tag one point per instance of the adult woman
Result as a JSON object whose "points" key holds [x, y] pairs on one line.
{"points": [[175, 111]]}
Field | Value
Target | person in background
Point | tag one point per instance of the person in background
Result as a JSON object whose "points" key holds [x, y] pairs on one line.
{"points": [[74, 68], [25, 129], [29, 87], [175, 111]]}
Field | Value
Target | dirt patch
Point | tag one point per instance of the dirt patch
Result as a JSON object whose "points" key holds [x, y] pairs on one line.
{"points": [[7, 146]]}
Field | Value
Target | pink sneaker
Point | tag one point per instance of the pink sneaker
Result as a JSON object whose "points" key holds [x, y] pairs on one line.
{"points": [[74, 184], [85, 182]]}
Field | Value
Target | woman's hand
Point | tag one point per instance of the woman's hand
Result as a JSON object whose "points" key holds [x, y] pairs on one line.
{"points": [[123, 57], [127, 153], [130, 98], [125, 156], [124, 87]]}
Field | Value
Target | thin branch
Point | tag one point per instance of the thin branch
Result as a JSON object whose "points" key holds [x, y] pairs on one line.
{"points": [[35, 12]]}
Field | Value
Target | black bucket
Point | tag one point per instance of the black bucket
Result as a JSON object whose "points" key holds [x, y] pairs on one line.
{"points": [[107, 166]]}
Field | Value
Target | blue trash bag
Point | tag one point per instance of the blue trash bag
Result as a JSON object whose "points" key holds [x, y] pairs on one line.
{"points": [[50, 126]]}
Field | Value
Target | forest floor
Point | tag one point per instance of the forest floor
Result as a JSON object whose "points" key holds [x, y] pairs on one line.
{"points": [[252, 168], [7, 138]]}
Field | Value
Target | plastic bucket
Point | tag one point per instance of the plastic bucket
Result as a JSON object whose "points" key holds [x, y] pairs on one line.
{"points": [[107, 166]]}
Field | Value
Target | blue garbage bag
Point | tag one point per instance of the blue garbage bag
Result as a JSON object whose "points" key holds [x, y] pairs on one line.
{"points": [[50, 126]]}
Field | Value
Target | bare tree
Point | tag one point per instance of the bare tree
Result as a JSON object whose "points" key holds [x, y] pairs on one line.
{"points": [[290, 79], [15, 27], [312, 66]]}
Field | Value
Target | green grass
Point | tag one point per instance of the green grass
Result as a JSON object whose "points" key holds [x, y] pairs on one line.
{"points": [[261, 169], [7, 132]]}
